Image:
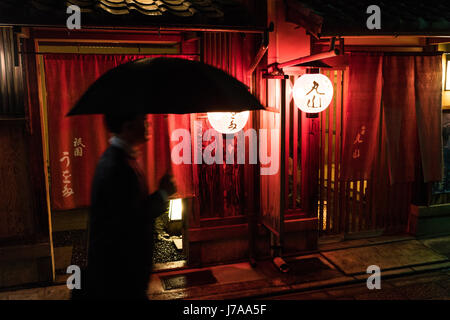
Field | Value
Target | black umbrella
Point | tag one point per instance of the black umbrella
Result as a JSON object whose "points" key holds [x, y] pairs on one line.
{"points": [[165, 85]]}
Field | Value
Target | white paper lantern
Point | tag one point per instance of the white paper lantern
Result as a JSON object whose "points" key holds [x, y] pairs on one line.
{"points": [[313, 92], [228, 122]]}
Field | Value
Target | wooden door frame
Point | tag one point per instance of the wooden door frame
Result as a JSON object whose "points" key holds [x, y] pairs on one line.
{"points": [[85, 37]]}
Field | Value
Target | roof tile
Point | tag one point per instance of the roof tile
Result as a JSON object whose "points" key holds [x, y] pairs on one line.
{"points": [[176, 7], [129, 12]]}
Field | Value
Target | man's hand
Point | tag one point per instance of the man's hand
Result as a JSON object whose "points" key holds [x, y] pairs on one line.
{"points": [[166, 183]]}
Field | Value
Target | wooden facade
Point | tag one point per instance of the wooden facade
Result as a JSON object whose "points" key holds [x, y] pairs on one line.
{"points": [[25, 245], [236, 213]]}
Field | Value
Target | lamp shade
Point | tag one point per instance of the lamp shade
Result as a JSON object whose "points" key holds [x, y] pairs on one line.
{"points": [[228, 122], [313, 92]]}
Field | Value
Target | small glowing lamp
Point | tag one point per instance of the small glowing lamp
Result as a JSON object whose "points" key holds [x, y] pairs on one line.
{"points": [[175, 209], [313, 92], [228, 122], [447, 73]]}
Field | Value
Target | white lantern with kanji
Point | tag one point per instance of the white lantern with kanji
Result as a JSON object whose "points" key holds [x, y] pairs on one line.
{"points": [[313, 92], [228, 122]]}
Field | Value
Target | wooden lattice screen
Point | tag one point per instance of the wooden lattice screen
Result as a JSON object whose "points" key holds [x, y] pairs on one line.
{"points": [[313, 185], [348, 207]]}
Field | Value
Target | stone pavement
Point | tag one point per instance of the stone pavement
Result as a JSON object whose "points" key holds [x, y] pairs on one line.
{"points": [[410, 269], [433, 285]]}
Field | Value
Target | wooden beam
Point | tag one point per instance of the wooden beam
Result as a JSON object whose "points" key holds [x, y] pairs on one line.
{"points": [[105, 36], [217, 233], [224, 232], [300, 225], [439, 40], [25, 252]]}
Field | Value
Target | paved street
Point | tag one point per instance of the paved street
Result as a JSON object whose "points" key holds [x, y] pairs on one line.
{"points": [[434, 285], [430, 285], [411, 269]]}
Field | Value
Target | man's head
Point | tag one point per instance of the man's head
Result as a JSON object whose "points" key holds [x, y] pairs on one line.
{"points": [[129, 127]]}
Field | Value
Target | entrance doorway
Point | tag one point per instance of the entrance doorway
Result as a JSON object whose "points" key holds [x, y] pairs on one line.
{"points": [[360, 207], [169, 234], [312, 163], [69, 222]]}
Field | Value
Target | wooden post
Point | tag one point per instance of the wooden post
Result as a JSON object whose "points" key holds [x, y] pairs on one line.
{"points": [[283, 151], [313, 166], [311, 160], [310, 164]]}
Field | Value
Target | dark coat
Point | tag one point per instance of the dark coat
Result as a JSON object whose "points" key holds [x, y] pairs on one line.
{"points": [[121, 219]]}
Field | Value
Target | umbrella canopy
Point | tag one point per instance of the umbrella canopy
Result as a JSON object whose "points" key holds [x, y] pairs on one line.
{"points": [[165, 85]]}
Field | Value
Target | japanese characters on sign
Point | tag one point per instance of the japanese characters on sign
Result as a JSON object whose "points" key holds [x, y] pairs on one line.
{"points": [[313, 92], [232, 124], [78, 147], [67, 191], [358, 140], [311, 103], [228, 122]]}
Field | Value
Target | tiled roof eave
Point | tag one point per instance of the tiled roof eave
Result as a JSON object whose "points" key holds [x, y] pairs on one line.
{"points": [[128, 14]]}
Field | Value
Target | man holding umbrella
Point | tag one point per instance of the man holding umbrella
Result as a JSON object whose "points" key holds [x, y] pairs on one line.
{"points": [[120, 243], [121, 217]]}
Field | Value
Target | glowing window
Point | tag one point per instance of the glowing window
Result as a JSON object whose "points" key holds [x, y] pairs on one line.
{"points": [[175, 209]]}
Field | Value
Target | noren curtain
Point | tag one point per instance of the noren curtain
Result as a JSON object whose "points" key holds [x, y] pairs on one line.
{"points": [[412, 113], [428, 87], [400, 117], [76, 143], [361, 115], [400, 94]]}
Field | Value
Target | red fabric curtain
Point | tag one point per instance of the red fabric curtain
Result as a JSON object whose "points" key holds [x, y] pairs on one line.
{"points": [[428, 87], [362, 108], [408, 91], [400, 117], [76, 143]]}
